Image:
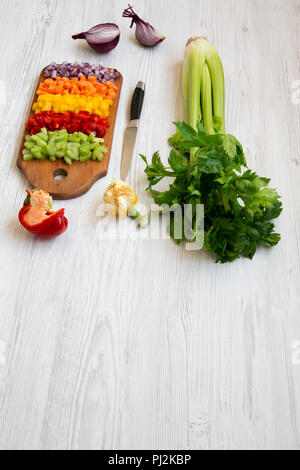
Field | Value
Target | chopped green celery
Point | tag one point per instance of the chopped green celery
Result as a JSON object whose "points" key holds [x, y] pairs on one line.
{"points": [[51, 141], [73, 151], [38, 155], [44, 152], [97, 154], [83, 137], [27, 158], [74, 138], [73, 156], [91, 137], [85, 158], [59, 133], [43, 134], [27, 154], [86, 145], [29, 145], [73, 145], [51, 149], [43, 137], [94, 146], [61, 138], [39, 141], [61, 145], [85, 149], [84, 153], [68, 160], [36, 148]]}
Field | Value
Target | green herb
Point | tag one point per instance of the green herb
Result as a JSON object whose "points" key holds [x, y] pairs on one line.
{"points": [[208, 167]]}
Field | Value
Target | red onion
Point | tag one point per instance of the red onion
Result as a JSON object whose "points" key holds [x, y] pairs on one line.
{"points": [[102, 38], [70, 70], [144, 32]]}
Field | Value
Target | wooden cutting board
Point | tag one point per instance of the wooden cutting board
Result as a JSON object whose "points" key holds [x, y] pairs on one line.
{"points": [[64, 181]]}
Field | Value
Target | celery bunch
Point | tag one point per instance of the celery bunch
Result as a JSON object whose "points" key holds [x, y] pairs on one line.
{"points": [[207, 167]]}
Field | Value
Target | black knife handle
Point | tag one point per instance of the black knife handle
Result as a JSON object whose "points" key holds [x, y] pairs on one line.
{"points": [[137, 101]]}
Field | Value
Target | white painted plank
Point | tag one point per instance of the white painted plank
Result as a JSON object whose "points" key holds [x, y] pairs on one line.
{"points": [[139, 344]]}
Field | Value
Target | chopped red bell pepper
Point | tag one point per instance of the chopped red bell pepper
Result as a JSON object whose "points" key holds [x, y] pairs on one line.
{"points": [[38, 217], [72, 122]]}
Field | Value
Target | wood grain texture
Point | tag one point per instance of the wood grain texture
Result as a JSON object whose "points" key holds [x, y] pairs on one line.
{"points": [[80, 176], [136, 344]]}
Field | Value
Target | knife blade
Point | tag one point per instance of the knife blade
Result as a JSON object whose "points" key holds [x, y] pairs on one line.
{"points": [[132, 129]]}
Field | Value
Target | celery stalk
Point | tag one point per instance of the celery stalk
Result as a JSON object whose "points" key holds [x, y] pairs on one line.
{"points": [[185, 88], [206, 99], [217, 79], [195, 61], [203, 85]]}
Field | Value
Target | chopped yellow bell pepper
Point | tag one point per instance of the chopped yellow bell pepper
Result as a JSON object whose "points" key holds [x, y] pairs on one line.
{"points": [[63, 103]]}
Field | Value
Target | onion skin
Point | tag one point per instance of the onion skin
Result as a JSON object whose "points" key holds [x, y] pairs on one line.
{"points": [[97, 40]]}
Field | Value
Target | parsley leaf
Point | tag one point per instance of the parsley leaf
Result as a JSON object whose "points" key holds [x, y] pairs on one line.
{"points": [[238, 205]]}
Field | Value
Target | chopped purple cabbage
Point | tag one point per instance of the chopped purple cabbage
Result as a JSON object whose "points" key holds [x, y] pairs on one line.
{"points": [[69, 70]]}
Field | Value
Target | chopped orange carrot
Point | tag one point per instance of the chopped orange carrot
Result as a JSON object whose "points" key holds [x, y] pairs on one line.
{"points": [[82, 86]]}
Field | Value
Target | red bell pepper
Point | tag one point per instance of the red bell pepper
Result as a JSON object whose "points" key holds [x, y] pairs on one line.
{"points": [[72, 122], [38, 217]]}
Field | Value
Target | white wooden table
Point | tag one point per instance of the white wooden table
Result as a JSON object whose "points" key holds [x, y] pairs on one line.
{"points": [[140, 344]]}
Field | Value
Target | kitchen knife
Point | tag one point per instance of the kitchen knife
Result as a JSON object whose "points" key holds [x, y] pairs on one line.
{"points": [[131, 131]]}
